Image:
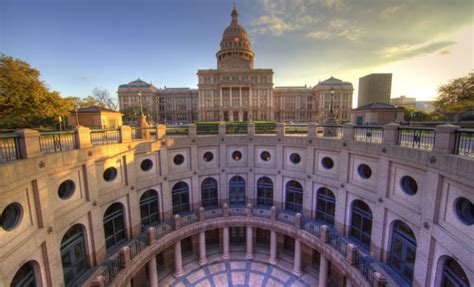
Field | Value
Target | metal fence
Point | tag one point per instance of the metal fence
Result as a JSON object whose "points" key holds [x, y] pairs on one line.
{"points": [[207, 129], [100, 137], [9, 148], [57, 141], [368, 134], [329, 131], [296, 129], [236, 128], [265, 129], [419, 138], [143, 133], [464, 143], [365, 267], [177, 131]]}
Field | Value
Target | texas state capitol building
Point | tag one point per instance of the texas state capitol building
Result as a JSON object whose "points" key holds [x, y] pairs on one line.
{"points": [[227, 209], [236, 91]]}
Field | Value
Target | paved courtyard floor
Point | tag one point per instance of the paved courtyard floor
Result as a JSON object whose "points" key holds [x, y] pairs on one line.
{"points": [[239, 272]]}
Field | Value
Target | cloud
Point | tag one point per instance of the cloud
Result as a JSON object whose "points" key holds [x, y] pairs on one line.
{"points": [[445, 52], [271, 24], [365, 33], [408, 51]]}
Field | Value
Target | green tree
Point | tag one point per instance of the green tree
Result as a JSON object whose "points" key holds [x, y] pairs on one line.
{"points": [[83, 102], [456, 96], [25, 101], [412, 114]]}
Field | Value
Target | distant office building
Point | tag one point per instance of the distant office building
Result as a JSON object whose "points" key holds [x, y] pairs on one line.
{"points": [[374, 88], [403, 101]]}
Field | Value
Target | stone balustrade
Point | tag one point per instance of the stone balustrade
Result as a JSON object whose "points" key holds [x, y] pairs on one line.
{"points": [[346, 259]]}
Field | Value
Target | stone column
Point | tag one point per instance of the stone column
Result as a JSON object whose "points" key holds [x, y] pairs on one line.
{"points": [[280, 129], [222, 130], [273, 248], [390, 134], [160, 132], [30, 143], [323, 271], [152, 272], [125, 134], [225, 253], [83, 137], [445, 138], [151, 265], [192, 130], [249, 254], [297, 262], [348, 131], [202, 248], [178, 260]]}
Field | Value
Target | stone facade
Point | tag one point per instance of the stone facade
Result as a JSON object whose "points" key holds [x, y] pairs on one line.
{"points": [[33, 184], [95, 117]]}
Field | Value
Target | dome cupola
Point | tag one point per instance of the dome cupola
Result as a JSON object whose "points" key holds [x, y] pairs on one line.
{"points": [[235, 52]]}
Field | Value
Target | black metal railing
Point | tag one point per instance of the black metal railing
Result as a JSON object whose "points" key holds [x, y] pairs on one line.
{"points": [[207, 129], [365, 267], [57, 141], [9, 148], [100, 137], [143, 133], [370, 134], [112, 269], [329, 131], [177, 130], [464, 143], [419, 138], [265, 129], [235, 128], [296, 129]]}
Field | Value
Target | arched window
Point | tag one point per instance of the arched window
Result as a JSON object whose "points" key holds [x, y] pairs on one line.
{"points": [[114, 225], [236, 117], [294, 196], [264, 191], [25, 276], [180, 198], [361, 223], [209, 193], [453, 274], [325, 205], [246, 116], [149, 209], [73, 255], [237, 190], [403, 250]]}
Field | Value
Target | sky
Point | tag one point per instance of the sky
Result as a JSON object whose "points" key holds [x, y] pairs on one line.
{"points": [[78, 45]]}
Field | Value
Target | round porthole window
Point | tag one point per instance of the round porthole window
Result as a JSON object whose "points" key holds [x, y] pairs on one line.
{"points": [[236, 155], [146, 165], [178, 159], [364, 171], [464, 210], [327, 162], [208, 156], [11, 216], [408, 185], [110, 174], [66, 189], [265, 156], [295, 158]]}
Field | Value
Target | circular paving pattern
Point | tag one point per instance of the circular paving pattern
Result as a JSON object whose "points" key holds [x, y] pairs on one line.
{"points": [[239, 273]]}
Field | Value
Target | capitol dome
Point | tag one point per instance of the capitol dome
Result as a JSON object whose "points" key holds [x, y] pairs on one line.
{"points": [[235, 52]]}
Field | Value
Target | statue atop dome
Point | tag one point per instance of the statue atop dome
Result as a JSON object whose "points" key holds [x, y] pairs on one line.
{"points": [[235, 52]]}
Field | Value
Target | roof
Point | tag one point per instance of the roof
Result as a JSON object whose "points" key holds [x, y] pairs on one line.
{"points": [[94, 109], [377, 106], [136, 84], [332, 82]]}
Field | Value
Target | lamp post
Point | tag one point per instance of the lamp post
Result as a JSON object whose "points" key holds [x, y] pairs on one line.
{"points": [[77, 117], [140, 101]]}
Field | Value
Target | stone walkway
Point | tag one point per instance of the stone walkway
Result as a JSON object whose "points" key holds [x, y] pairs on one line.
{"points": [[239, 272]]}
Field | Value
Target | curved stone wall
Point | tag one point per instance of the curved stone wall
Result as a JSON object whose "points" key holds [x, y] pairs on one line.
{"points": [[441, 179]]}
